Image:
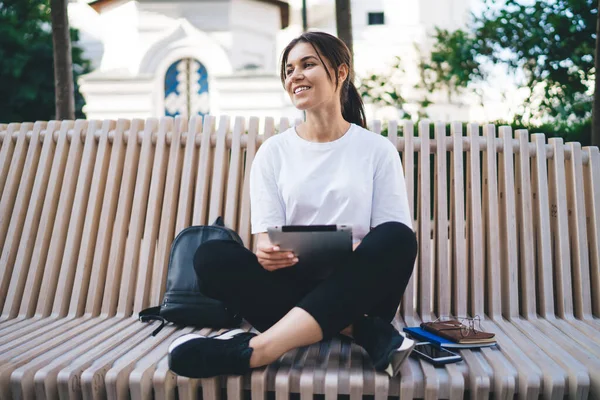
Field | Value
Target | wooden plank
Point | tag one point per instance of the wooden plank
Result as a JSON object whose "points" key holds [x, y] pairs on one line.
{"points": [[560, 229], [219, 173], [442, 261], [268, 132], [333, 374], [269, 129], [234, 180], [408, 306], [251, 147], [508, 226], [6, 153], [490, 201], [204, 172], [426, 274], [592, 195], [393, 133], [459, 245], [475, 223], [525, 225], [578, 233], [188, 174], [545, 290]]}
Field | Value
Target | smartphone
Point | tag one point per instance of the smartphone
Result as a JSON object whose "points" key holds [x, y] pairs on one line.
{"points": [[435, 355]]}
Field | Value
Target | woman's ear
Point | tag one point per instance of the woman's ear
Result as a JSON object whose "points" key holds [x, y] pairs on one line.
{"points": [[343, 73]]}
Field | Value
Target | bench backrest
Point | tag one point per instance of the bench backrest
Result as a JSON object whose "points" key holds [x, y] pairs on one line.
{"points": [[88, 209]]}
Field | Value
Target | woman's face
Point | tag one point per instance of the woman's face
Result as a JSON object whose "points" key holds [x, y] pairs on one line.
{"points": [[306, 80]]}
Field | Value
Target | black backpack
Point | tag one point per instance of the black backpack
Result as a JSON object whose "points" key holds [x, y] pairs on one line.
{"points": [[183, 304]]}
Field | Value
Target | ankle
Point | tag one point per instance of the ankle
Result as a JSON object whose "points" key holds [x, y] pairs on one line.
{"points": [[261, 355]]}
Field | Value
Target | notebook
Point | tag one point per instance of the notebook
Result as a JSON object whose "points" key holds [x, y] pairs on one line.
{"points": [[421, 334], [457, 332]]}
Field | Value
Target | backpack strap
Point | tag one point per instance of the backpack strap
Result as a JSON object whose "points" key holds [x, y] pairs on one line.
{"points": [[153, 314]]}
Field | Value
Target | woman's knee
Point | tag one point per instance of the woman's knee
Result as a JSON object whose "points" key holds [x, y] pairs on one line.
{"points": [[392, 247], [397, 236], [213, 261]]}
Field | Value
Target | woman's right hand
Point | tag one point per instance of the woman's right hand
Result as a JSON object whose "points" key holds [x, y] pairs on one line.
{"points": [[270, 256]]}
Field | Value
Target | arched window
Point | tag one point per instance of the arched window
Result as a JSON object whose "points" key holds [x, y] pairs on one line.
{"points": [[186, 88]]}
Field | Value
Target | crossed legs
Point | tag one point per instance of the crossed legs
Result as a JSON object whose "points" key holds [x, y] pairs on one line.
{"points": [[291, 312]]}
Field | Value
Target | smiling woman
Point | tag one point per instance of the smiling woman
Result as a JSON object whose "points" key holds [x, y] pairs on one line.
{"points": [[313, 57], [328, 170]]}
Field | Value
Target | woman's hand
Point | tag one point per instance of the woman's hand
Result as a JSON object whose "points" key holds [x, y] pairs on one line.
{"points": [[271, 257]]}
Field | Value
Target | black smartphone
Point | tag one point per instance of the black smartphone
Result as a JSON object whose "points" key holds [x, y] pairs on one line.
{"points": [[435, 355]]}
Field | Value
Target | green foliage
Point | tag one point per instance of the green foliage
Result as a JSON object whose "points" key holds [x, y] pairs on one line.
{"points": [[548, 44], [26, 62], [384, 89]]}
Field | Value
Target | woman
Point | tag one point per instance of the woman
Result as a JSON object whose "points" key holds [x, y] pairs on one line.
{"points": [[327, 170]]}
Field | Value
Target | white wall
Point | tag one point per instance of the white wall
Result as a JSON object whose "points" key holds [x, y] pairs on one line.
{"points": [[254, 26]]}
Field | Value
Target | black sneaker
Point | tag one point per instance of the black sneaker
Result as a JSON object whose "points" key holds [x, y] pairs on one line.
{"points": [[387, 347], [197, 356]]}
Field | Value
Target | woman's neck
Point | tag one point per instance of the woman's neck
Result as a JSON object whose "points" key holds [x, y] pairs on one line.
{"points": [[322, 128]]}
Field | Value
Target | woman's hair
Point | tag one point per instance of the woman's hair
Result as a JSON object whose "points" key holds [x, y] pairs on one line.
{"points": [[337, 53]]}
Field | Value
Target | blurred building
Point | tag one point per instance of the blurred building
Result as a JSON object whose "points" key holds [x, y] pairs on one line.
{"points": [[160, 57]]}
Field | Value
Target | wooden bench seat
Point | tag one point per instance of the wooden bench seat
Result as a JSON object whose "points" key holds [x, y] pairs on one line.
{"points": [[508, 229]]}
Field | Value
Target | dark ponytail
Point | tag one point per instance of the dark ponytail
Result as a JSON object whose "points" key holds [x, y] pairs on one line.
{"points": [[337, 53], [353, 109]]}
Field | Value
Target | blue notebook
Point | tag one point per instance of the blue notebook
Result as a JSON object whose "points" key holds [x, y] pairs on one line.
{"points": [[422, 335]]}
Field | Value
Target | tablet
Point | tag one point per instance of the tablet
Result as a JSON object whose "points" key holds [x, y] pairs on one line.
{"points": [[319, 245]]}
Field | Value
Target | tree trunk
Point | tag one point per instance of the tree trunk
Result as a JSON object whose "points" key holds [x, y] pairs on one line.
{"points": [[304, 17], [596, 111], [63, 64], [343, 19]]}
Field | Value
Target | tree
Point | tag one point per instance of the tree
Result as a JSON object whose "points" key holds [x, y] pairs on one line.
{"points": [[385, 89], [343, 19], [549, 44], [63, 64], [26, 62]]}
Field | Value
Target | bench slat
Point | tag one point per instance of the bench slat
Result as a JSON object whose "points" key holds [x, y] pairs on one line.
{"points": [[578, 233], [425, 269], [442, 226], [6, 153], [592, 190], [168, 220], [407, 306], [204, 171]]}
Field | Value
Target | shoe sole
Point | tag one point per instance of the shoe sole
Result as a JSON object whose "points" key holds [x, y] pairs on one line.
{"points": [[399, 355]]}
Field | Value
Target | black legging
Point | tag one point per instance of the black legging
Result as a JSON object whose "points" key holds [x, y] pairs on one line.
{"points": [[370, 281]]}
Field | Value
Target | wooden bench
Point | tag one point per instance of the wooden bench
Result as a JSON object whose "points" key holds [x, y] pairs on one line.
{"points": [[88, 210]]}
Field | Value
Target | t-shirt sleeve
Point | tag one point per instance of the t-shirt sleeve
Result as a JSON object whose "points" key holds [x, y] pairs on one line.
{"points": [[266, 207], [390, 200]]}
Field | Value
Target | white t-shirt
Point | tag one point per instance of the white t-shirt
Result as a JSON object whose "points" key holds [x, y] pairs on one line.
{"points": [[355, 180]]}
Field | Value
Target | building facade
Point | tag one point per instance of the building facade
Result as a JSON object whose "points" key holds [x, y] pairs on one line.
{"points": [[159, 57]]}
